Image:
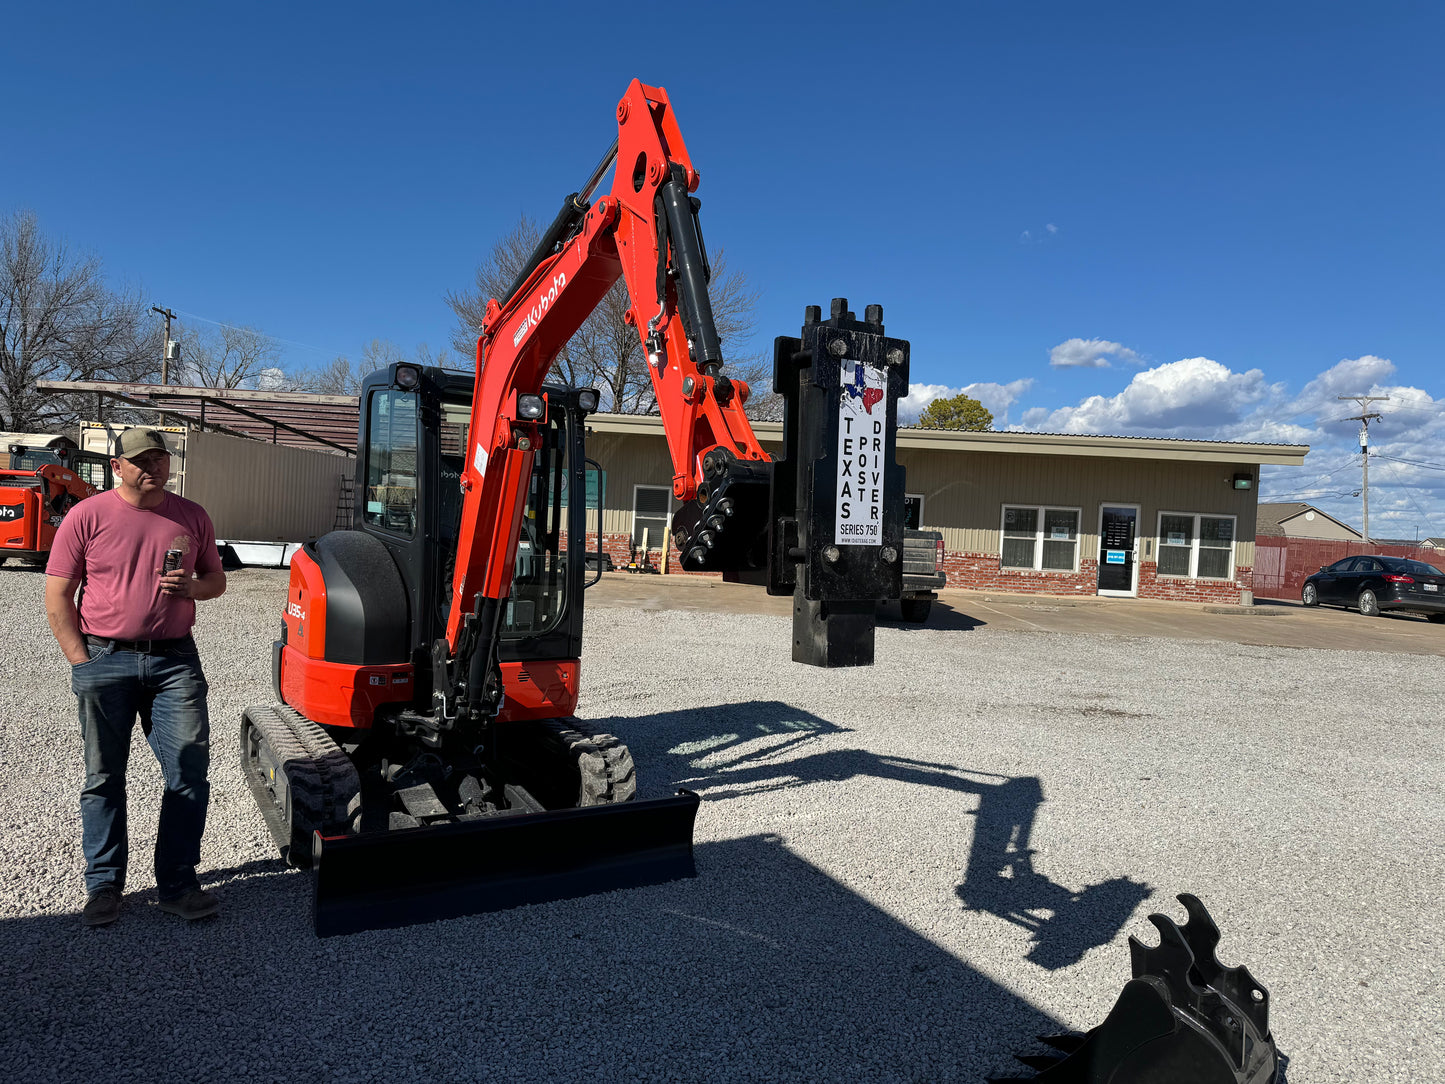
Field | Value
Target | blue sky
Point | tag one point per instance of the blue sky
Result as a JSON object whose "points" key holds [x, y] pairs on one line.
{"points": [[1114, 218]]}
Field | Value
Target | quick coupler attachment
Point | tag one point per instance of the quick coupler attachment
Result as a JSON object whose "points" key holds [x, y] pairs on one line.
{"points": [[1184, 1018]]}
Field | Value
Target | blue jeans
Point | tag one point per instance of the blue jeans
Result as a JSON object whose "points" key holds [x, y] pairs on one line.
{"points": [[167, 691]]}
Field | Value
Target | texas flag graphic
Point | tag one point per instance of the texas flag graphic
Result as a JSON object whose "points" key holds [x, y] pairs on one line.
{"points": [[859, 389]]}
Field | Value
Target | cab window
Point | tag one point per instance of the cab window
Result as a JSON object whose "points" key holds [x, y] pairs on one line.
{"points": [[391, 462]]}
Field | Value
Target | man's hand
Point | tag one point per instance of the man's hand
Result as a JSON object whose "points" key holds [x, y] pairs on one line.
{"points": [[176, 584], [60, 609], [181, 584]]}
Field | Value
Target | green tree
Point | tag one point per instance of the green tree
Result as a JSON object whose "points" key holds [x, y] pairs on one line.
{"points": [[960, 412]]}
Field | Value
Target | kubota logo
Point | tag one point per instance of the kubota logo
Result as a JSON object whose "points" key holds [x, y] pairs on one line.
{"points": [[539, 308], [294, 610]]}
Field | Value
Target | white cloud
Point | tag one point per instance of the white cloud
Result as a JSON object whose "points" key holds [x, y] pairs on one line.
{"points": [[996, 397], [1352, 376], [1039, 237], [1203, 399], [1194, 397], [1089, 354]]}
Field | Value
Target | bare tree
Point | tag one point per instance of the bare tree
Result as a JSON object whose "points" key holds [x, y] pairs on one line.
{"points": [[59, 321], [227, 357], [342, 376], [605, 352]]}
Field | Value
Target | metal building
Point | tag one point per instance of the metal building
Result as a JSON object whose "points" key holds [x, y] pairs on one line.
{"points": [[1033, 512]]}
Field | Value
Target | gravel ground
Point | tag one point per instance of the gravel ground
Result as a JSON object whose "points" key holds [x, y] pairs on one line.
{"points": [[851, 917]]}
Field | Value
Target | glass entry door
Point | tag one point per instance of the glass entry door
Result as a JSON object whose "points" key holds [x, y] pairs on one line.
{"points": [[1118, 549]]}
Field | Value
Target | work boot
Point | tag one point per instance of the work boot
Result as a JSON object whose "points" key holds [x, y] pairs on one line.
{"points": [[197, 903], [102, 907]]}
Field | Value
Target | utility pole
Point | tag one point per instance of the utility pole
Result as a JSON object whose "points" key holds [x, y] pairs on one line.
{"points": [[165, 346], [1363, 417]]}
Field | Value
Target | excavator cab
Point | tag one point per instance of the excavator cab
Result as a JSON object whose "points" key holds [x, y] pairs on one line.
{"points": [[412, 451]]}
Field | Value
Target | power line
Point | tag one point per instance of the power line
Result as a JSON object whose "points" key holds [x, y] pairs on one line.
{"points": [[1312, 499], [1325, 476], [1363, 418], [1408, 492], [1411, 462], [273, 338]]}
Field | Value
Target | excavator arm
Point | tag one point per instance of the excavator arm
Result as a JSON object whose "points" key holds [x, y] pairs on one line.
{"points": [[645, 231]]}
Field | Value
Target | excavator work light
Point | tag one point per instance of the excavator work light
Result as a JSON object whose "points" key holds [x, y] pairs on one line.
{"points": [[587, 400], [531, 407], [407, 377]]}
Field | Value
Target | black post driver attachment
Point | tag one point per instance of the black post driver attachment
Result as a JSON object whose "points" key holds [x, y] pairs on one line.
{"points": [[835, 529]]}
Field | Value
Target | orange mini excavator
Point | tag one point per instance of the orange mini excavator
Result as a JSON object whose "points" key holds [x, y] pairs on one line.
{"points": [[423, 758]]}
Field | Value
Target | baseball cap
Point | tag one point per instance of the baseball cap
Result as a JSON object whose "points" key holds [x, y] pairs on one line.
{"points": [[133, 442]]}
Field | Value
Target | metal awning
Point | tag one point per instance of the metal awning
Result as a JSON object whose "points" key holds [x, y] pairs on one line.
{"points": [[294, 418]]}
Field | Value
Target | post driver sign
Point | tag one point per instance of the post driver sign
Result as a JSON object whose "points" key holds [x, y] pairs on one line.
{"points": [[862, 416]]}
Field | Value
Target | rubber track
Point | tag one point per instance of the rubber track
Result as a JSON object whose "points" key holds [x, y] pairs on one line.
{"points": [[320, 776], [607, 772]]}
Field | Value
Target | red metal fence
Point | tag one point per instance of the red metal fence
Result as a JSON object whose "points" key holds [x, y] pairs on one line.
{"points": [[1281, 564]]}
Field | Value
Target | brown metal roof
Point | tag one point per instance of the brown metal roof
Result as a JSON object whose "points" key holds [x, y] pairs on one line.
{"points": [[294, 418]]}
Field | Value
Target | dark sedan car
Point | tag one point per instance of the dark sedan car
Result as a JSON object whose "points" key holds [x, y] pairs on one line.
{"points": [[1375, 584]]}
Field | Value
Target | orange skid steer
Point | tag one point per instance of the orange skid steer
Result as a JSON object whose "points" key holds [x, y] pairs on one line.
{"points": [[32, 504]]}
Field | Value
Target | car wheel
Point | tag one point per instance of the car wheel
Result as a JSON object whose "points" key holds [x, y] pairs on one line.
{"points": [[1310, 596], [1369, 604]]}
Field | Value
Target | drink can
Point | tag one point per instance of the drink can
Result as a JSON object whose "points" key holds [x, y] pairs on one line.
{"points": [[173, 560]]}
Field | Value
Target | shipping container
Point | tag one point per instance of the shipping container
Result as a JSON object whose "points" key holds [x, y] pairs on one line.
{"points": [[252, 491]]}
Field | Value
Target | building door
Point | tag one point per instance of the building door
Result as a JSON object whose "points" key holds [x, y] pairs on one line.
{"points": [[1118, 551]]}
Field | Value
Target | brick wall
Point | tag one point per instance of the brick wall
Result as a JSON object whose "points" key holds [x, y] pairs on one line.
{"points": [[981, 572], [619, 548], [1180, 589]]}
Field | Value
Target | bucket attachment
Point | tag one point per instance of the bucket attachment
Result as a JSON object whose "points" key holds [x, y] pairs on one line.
{"points": [[384, 880], [1183, 1019]]}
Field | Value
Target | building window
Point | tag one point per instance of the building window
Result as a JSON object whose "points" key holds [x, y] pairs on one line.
{"points": [[1198, 546], [650, 506], [1040, 538], [912, 511]]}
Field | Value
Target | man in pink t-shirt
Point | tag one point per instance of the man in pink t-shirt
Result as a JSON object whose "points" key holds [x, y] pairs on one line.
{"points": [[129, 644]]}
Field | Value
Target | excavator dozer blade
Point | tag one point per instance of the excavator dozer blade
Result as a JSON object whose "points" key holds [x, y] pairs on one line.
{"points": [[382, 880], [1184, 1018]]}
